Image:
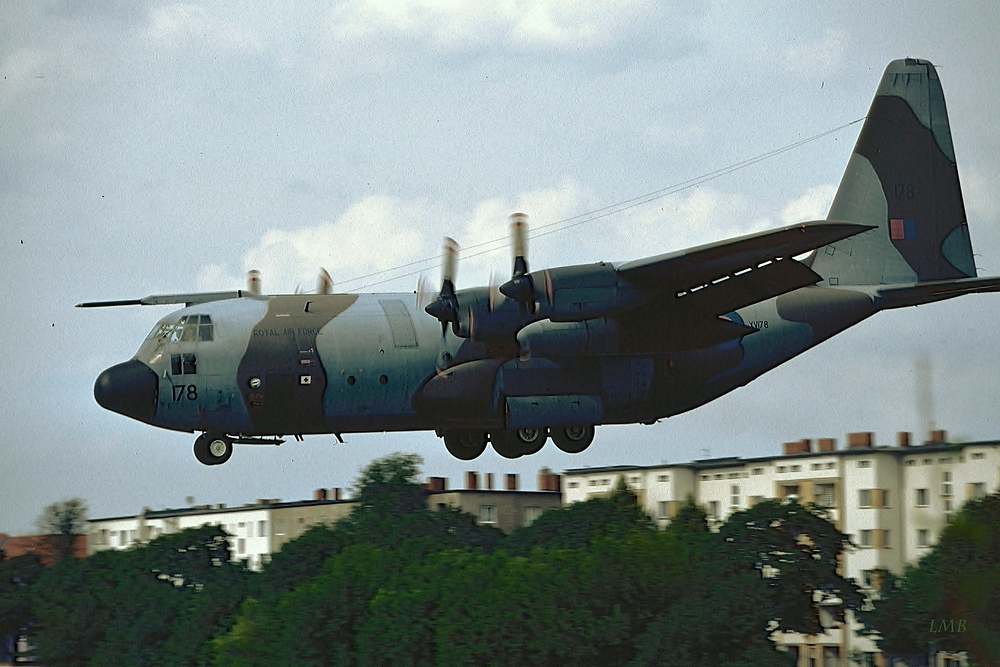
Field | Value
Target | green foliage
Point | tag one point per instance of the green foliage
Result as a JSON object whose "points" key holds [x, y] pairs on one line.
{"points": [[155, 604], [579, 524], [389, 485], [796, 549], [958, 580], [16, 578], [394, 583]]}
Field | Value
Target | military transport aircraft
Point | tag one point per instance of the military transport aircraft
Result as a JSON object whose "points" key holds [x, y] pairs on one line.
{"points": [[553, 353]]}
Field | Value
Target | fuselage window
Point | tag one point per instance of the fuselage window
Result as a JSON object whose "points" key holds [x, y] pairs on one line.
{"points": [[183, 364], [192, 328]]}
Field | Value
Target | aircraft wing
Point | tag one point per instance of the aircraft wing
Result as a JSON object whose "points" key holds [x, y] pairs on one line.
{"points": [[703, 283], [164, 299], [697, 266]]}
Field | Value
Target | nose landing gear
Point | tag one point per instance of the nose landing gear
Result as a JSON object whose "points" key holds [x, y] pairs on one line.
{"points": [[213, 449]]}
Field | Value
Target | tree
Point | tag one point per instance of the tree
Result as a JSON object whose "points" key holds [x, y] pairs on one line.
{"points": [[948, 599], [158, 603], [390, 485], [60, 522]]}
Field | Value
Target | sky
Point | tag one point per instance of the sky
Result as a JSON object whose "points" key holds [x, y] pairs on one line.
{"points": [[157, 147]]}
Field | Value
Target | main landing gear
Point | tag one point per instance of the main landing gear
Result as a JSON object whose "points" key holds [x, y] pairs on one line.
{"points": [[468, 444], [213, 449]]}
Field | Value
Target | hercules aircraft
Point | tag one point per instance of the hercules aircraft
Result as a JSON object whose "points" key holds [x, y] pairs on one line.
{"points": [[553, 353]]}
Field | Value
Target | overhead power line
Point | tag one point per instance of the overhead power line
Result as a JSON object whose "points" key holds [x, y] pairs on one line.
{"points": [[590, 216]]}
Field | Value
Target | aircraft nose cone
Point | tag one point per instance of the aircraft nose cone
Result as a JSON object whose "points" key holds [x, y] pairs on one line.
{"points": [[128, 389]]}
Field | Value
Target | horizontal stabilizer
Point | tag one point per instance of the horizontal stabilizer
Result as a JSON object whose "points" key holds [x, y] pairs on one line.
{"points": [[898, 296], [165, 299], [689, 268]]}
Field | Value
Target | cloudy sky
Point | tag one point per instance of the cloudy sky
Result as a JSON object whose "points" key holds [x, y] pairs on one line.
{"points": [[154, 147]]}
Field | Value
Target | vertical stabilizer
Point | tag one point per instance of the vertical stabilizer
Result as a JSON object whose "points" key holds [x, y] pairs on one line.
{"points": [[901, 179]]}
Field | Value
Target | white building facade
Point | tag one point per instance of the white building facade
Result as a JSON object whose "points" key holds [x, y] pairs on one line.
{"points": [[892, 501]]}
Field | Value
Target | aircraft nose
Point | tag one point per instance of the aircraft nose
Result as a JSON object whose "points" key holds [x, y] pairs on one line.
{"points": [[128, 389]]}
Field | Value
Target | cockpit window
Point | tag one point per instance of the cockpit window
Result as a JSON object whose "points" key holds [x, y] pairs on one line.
{"points": [[191, 328]]}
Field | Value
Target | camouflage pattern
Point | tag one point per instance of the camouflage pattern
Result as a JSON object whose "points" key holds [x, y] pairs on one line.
{"points": [[561, 350]]}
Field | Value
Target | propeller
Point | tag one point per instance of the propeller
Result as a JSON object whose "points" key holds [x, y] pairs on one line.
{"points": [[494, 294], [324, 283], [445, 308], [520, 287], [423, 290]]}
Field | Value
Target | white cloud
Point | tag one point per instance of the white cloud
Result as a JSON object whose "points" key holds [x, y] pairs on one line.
{"points": [[813, 205], [685, 220], [451, 23], [374, 234], [179, 24]]}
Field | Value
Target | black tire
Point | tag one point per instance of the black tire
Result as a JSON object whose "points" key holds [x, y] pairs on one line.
{"points": [[506, 444], [213, 449], [532, 439], [572, 439], [465, 444]]}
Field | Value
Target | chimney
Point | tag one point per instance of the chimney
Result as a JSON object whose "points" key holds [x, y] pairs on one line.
{"points": [[826, 445], [436, 484], [334, 493], [548, 481], [319, 494], [471, 480], [904, 439], [511, 482], [798, 447], [488, 481], [860, 440], [939, 435]]}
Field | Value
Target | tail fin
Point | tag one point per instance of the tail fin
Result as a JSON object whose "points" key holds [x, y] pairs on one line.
{"points": [[901, 179]]}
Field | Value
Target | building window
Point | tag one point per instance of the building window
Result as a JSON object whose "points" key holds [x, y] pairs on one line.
{"points": [[864, 463], [758, 471], [663, 478], [884, 499], [824, 495], [796, 468], [885, 540], [713, 509], [946, 483], [921, 497], [734, 496], [947, 510], [910, 462], [927, 461], [262, 529], [789, 490], [487, 514], [530, 514], [977, 491], [922, 538], [753, 500], [782, 468], [279, 526], [573, 485], [816, 466], [866, 538], [865, 498], [241, 546], [977, 455]]}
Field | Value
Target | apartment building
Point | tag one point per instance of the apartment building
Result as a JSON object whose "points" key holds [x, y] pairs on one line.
{"points": [[257, 530], [893, 502]]}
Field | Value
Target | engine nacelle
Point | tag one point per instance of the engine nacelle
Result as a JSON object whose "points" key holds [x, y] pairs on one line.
{"points": [[572, 294], [596, 337]]}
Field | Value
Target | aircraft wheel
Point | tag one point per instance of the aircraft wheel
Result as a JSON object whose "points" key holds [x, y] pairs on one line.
{"points": [[532, 439], [213, 449], [573, 439], [465, 444], [506, 444]]}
